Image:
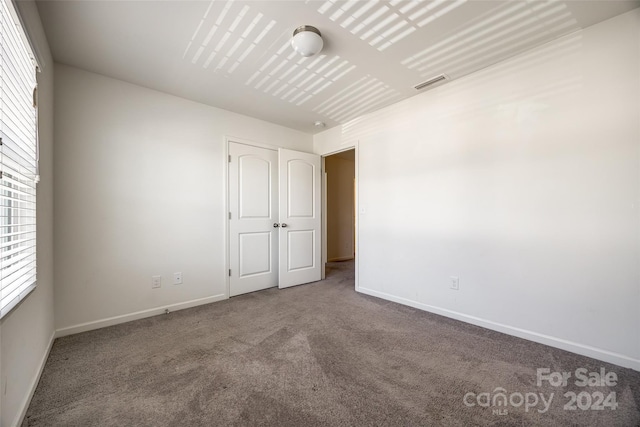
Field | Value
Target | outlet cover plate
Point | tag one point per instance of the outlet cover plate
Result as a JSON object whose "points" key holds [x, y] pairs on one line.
{"points": [[177, 278]]}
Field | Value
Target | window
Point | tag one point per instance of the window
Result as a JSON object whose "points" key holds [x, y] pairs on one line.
{"points": [[18, 162]]}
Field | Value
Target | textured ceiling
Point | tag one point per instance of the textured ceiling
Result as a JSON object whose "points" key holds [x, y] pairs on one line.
{"points": [[236, 54]]}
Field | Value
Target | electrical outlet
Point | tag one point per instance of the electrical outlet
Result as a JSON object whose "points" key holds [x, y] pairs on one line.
{"points": [[177, 278], [156, 282], [454, 283]]}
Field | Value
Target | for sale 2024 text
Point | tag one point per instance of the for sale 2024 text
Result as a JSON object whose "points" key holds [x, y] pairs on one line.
{"points": [[582, 377]]}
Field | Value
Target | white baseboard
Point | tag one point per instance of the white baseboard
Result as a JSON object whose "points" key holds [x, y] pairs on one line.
{"points": [[341, 258], [102, 323], [574, 347], [34, 384]]}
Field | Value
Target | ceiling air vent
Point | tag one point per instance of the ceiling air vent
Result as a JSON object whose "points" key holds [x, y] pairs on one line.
{"points": [[432, 81]]}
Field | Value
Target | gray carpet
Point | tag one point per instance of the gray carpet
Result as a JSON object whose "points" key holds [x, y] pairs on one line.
{"points": [[317, 354]]}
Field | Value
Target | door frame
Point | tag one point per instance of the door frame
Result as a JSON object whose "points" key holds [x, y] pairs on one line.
{"points": [[225, 182], [356, 202]]}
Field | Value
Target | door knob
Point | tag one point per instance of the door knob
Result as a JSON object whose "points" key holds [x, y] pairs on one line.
{"points": [[276, 225], [284, 225]]}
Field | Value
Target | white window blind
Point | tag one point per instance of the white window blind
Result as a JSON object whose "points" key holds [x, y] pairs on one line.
{"points": [[18, 162]]}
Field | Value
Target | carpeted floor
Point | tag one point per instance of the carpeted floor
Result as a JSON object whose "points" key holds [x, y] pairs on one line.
{"points": [[317, 354]]}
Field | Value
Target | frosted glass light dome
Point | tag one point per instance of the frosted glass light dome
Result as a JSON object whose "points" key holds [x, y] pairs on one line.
{"points": [[307, 40]]}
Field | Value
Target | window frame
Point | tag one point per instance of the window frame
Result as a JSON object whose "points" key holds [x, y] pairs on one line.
{"points": [[18, 161]]}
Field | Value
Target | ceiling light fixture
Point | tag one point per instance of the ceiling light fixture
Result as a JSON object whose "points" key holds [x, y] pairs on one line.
{"points": [[319, 124], [307, 40]]}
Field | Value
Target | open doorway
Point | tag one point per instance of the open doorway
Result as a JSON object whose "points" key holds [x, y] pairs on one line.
{"points": [[340, 205]]}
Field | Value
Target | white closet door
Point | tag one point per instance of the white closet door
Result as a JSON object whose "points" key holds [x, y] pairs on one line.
{"points": [[253, 207], [300, 218]]}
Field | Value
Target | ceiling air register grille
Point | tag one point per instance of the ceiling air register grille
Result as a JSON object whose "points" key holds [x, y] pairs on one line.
{"points": [[432, 81]]}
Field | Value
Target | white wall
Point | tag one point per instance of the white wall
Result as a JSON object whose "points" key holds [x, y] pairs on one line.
{"points": [[140, 191], [523, 180], [340, 205], [26, 333]]}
